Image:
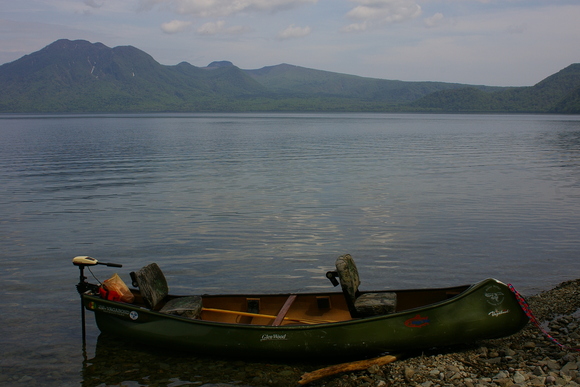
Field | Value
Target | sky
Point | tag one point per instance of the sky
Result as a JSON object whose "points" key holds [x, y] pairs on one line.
{"points": [[482, 42]]}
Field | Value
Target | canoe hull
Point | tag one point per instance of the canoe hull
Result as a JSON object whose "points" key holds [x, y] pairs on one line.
{"points": [[486, 310]]}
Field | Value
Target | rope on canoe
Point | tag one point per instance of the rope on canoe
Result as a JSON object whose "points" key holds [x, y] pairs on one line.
{"points": [[528, 311]]}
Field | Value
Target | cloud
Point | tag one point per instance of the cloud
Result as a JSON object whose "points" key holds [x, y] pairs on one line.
{"points": [[370, 13], [175, 26], [211, 28], [434, 21], [94, 3], [517, 29], [220, 8], [219, 27], [294, 32], [355, 27]]}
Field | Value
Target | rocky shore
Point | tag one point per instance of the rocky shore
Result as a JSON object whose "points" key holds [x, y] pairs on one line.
{"points": [[528, 358]]}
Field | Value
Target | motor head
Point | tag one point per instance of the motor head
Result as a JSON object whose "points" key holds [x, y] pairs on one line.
{"points": [[84, 260]]}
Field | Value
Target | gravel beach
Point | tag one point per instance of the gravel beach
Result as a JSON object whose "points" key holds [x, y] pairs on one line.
{"points": [[527, 358]]}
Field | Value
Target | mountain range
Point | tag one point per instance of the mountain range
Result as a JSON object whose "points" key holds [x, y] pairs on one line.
{"points": [[81, 77]]}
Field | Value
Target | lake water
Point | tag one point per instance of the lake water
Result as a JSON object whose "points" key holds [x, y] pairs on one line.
{"points": [[266, 202]]}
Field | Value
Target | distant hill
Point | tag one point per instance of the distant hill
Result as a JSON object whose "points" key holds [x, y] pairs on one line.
{"points": [[559, 93], [289, 79], [79, 76]]}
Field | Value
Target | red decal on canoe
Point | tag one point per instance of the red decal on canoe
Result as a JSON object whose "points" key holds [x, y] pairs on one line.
{"points": [[417, 321]]}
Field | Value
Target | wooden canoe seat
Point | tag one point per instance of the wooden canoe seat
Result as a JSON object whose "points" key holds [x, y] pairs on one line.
{"points": [[154, 290], [360, 304]]}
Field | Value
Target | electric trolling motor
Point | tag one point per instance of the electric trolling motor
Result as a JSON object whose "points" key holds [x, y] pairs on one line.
{"points": [[83, 261]]}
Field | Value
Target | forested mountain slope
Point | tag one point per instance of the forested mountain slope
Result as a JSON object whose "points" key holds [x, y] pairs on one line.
{"points": [[78, 76]]}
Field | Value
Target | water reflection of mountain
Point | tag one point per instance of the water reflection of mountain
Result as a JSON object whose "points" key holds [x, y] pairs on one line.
{"points": [[563, 153], [117, 361], [570, 139]]}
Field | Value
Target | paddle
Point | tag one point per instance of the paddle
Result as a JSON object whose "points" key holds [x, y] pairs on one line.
{"points": [[310, 377]]}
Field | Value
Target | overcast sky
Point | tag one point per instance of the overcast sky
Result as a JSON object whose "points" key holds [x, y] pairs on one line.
{"points": [[491, 42]]}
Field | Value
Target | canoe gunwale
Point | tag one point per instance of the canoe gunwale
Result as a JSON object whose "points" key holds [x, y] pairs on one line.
{"points": [[466, 293]]}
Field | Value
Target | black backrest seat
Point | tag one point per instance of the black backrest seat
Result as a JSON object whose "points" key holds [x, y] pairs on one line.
{"points": [[361, 304], [153, 286]]}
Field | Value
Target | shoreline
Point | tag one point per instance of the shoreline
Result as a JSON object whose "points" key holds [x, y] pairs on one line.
{"points": [[527, 358]]}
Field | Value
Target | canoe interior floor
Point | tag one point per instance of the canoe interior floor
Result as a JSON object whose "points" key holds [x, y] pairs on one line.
{"points": [[276, 309], [280, 310]]}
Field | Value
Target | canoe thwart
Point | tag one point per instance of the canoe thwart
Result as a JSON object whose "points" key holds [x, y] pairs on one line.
{"points": [[282, 313]]}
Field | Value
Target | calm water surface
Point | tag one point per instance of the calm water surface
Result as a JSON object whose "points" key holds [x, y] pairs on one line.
{"points": [[266, 202]]}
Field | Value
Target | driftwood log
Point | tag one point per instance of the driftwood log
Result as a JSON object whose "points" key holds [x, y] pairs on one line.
{"points": [[310, 377]]}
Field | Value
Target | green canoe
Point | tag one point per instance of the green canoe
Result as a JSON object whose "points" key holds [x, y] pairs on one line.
{"points": [[348, 323]]}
